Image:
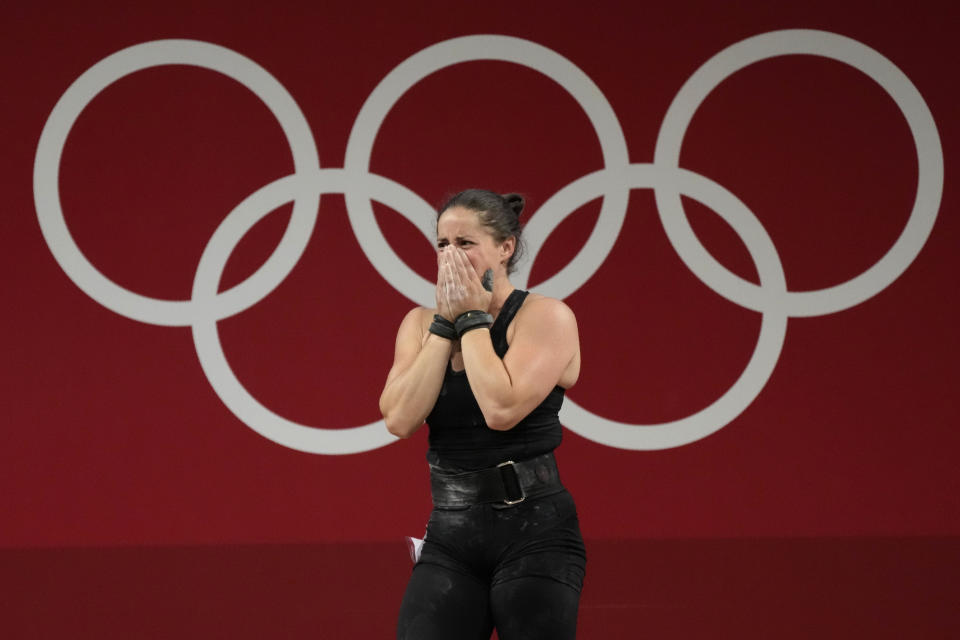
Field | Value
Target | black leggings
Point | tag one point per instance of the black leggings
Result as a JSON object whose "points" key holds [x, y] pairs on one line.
{"points": [[517, 569]]}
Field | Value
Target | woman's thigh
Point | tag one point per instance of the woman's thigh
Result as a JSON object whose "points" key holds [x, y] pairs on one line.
{"points": [[442, 604], [535, 608]]}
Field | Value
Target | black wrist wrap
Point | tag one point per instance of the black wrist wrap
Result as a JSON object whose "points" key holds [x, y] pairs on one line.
{"points": [[443, 327], [472, 320]]}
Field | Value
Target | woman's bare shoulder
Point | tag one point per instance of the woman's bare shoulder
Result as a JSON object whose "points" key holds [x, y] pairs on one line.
{"points": [[418, 317], [543, 318], [545, 308]]}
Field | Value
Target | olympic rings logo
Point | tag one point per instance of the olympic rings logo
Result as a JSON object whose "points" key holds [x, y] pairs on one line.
{"points": [[614, 181]]}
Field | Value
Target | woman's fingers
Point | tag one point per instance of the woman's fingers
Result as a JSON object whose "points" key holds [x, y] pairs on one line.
{"points": [[457, 274], [459, 287], [474, 295], [445, 286], [464, 270], [449, 277]]}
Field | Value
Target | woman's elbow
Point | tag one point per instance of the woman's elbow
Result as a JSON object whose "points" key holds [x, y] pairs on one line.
{"points": [[500, 420], [394, 426], [398, 431], [401, 428]]}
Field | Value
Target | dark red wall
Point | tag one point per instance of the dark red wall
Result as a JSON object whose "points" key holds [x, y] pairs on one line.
{"points": [[112, 433]]}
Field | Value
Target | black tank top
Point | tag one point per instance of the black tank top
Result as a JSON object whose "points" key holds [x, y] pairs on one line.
{"points": [[459, 436]]}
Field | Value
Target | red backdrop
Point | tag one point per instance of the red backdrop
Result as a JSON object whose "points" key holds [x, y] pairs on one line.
{"points": [[112, 433]]}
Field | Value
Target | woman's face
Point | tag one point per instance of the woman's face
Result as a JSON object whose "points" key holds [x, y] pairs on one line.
{"points": [[461, 227]]}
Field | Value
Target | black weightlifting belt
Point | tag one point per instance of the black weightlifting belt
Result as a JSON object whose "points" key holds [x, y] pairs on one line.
{"points": [[507, 483]]}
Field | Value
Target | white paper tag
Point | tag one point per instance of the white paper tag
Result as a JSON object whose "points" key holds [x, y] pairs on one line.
{"points": [[414, 545]]}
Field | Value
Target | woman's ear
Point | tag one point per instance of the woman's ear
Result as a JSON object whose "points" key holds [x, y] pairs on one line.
{"points": [[506, 249]]}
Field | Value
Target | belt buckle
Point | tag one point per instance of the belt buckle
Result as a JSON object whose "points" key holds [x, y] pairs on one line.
{"points": [[506, 499]]}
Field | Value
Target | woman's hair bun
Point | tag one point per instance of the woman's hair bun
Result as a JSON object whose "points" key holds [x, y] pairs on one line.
{"points": [[514, 201]]}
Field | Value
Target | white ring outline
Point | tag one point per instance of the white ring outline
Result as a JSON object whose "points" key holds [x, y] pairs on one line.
{"points": [[879, 69], [206, 337], [772, 328], [46, 184], [381, 100], [668, 181]]}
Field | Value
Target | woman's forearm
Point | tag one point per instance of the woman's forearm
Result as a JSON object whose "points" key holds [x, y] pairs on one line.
{"points": [[409, 397], [543, 346], [490, 381]]}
